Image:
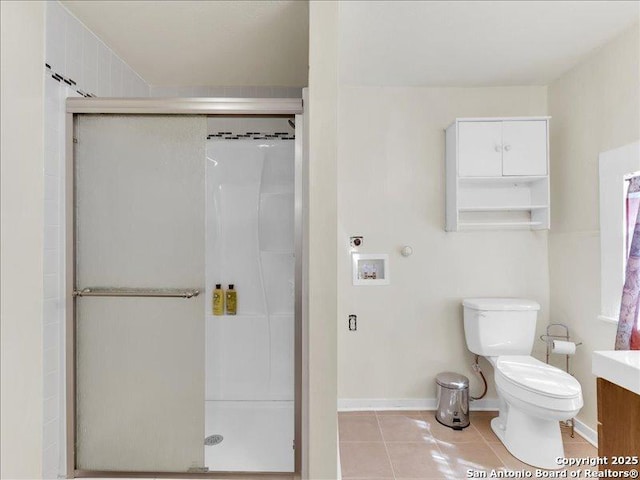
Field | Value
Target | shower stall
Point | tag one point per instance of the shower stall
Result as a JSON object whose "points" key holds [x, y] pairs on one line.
{"points": [[165, 200], [249, 383]]}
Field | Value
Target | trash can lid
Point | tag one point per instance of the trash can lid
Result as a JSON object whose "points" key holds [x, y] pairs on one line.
{"points": [[452, 380]]}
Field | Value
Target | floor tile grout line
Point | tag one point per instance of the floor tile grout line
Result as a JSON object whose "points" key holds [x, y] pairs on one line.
{"points": [[425, 415], [444, 457], [384, 442], [369, 441], [506, 467], [481, 437]]}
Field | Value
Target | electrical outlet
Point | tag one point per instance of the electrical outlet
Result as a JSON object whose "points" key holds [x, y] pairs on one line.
{"points": [[353, 323]]}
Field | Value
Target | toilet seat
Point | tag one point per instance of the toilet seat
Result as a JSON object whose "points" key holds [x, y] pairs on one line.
{"points": [[533, 382]]}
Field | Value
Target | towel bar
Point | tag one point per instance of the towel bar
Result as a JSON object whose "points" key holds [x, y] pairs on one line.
{"points": [[136, 292]]}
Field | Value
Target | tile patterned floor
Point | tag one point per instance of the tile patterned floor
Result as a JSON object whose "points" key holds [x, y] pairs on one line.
{"points": [[413, 445]]}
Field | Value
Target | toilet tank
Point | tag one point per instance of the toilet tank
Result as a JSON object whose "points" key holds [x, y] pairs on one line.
{"points": [[500, 326]]}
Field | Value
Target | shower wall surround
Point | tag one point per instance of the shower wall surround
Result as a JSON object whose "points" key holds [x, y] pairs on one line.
{"points": [[249, 386]]}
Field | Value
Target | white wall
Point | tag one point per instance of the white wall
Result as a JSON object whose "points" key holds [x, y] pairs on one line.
{"points": [[321, 462], [22, 188], [391, 191], [75, 53], [595, 107]]}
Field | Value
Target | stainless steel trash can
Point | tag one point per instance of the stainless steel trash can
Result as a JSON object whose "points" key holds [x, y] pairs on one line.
{"points": [[453, 400]]}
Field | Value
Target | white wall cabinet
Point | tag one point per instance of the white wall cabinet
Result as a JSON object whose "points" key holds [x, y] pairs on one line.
{"points": [[497, 173], [496, 148]]}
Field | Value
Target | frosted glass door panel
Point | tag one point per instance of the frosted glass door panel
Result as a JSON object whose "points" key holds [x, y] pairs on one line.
{"points": [[140, 384], [140, 224], [140, 201]]}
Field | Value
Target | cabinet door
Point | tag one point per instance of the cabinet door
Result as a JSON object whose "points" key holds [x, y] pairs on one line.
{"points": [[479, 149], [524, 145]]}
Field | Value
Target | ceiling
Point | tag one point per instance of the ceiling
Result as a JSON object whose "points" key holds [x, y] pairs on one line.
{"points": [[188, 43], [382, 43], [473, 43]]}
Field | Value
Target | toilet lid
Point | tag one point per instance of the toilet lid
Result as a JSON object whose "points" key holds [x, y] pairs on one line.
{"points": [[538, 377]]}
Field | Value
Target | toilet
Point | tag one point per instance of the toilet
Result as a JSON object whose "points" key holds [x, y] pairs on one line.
{"points": [[533, 396]]}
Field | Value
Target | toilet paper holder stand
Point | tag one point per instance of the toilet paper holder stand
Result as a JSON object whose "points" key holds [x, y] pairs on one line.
{"points": [[548, 338]]}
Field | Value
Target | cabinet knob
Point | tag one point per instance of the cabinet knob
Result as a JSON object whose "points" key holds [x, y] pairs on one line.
{"points": [[507, 147], [498, 148]]}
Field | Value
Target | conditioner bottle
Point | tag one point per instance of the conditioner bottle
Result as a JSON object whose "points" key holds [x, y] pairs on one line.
{"points": [[232, 300]]}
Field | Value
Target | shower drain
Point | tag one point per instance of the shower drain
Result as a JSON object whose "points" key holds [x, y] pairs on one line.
{"points": [[213, 440]]}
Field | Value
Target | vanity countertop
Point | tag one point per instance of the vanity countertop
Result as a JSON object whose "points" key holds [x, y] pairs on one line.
{"points": [[621, 367]]}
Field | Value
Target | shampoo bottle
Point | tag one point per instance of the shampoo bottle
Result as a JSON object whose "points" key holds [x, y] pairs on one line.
{"points": [[232, 300], [218, 300]]}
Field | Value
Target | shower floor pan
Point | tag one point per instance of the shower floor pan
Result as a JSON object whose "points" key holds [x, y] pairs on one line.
{"points": [[257, 436]]}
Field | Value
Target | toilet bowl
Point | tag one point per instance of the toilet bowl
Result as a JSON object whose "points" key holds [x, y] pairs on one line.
{"points": [[533, 396]]}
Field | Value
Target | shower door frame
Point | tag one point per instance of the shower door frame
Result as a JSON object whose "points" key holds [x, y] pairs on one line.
{"points": [[250, 107]]}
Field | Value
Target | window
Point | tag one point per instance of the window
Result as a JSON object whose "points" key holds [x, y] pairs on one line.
{"points": [[616, 169]]}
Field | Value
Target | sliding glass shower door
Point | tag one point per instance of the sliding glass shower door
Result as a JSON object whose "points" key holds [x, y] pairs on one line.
{"points": [[140, 260]]}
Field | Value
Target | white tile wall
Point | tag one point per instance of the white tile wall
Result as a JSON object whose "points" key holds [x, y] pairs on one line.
{"points": [[76, 53], [117, 66], [244, 92], [90, 61], [73, 50], [50, 439], [53, 308]]}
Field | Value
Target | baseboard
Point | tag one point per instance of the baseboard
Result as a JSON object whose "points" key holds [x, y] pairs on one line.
{"points": [[381, 404], [586, 432]]}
